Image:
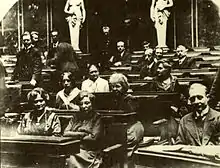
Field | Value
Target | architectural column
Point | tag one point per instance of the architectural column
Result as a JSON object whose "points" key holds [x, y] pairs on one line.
{"points": [[192, 22]]}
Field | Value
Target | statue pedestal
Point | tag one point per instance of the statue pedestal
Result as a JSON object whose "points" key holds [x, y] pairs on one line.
{"points": [[165, 49]]}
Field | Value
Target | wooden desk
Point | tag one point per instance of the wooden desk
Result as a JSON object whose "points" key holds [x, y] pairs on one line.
{"points": [[37, 151], [157, 156]]}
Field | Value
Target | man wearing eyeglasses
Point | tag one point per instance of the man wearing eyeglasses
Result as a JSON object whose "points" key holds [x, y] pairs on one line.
{"points": [[29, 63], [201, 126]]}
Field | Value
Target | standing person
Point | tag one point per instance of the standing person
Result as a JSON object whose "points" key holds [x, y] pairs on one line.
{"points": [[159, 13], [29, 62], [105, 46], [201, 126], [40, 121], [87, 127], [52, 54], [122, 56], [123, 101], [66, 98], [94, 83], [76, 15]]}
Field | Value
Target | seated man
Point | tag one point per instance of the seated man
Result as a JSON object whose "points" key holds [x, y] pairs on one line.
{"points": [[122, 56], [94, 83], [183, 61], [29, 63], [148, 65], [158, 53], [202, 125]]}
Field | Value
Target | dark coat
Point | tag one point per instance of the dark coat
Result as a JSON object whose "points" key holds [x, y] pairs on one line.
{"points": [[188, 133], [148, 71], [188, 63], [28, 66], [125, 58]]}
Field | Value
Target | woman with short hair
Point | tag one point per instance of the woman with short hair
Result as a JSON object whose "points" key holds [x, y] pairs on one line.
{"points": [[41, 120], [86, 126], [123, 101]]}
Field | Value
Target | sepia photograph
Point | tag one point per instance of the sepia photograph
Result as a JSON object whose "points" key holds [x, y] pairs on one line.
{"points": [[110, 83]]}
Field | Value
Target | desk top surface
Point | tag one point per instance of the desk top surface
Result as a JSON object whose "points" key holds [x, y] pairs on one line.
{"points": [[205, 154], [33, 138]]}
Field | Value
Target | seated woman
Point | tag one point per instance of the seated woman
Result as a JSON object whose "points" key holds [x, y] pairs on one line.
{"points": [[40, 121], [164, 81], [65, 99], [123, 101], [94, 83], [86, 126]]}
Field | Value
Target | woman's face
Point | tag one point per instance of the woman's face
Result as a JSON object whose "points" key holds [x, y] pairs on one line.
{"points": [[86, 105], [116, 87], [66, 81], [39, 103]]}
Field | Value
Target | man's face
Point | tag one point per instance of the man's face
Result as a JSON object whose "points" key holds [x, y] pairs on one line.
{"points": [[35, 38], [149, 55], [85, 105], [161, 70], [146, 47], [120, 47], [93, 72], [54, 37], [181, 52], [105, 29], [26, 40], [159, 52], [198, 98]]}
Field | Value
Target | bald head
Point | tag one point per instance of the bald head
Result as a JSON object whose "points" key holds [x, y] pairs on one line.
{"points": [[120, 46]]}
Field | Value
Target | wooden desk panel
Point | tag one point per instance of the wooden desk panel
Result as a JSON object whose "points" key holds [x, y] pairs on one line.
{"points": [[158, 156], [35, 151]]}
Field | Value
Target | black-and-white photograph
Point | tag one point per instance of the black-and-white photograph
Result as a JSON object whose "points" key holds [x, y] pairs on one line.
{"points": [[110, 83]]}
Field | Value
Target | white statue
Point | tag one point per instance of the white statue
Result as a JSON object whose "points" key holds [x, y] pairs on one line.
{"points": [[76, 16], [159, 13]]}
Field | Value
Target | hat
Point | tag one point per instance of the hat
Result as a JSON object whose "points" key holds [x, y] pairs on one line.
{"points": [[145, 43], [54, 33]]}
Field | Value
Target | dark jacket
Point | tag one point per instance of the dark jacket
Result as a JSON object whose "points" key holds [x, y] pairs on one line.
{"points": [[28, 66], [148, 71], [187, 63], [125, 58], [188, 133]]}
